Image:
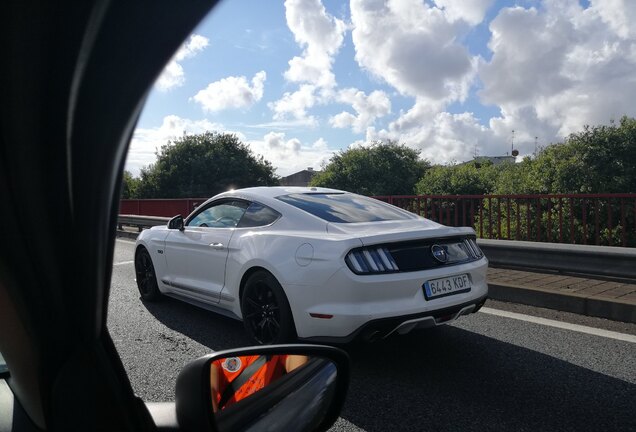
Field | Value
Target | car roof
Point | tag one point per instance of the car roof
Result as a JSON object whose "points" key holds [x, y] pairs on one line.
{"points": [[254, 193]]}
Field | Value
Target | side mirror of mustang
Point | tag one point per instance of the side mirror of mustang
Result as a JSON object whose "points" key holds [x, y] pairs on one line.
{"points": [[278, 387], [176, 223]]}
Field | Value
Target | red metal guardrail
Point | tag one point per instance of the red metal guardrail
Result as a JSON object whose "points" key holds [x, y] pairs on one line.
{"points": [[159, 207], [596, 219]]}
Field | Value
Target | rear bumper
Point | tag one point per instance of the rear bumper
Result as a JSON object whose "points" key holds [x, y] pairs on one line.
{"points": [[385, 327], [344, 305]]}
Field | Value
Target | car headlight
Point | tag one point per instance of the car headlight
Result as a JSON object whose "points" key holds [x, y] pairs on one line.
{"points": [[371, 260]]}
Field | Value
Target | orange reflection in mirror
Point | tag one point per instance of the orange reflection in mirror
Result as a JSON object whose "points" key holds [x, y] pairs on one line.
{"points": [[235, 378]]}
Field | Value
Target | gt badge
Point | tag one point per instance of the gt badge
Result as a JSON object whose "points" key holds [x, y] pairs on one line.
{"points": [[231, 364]]}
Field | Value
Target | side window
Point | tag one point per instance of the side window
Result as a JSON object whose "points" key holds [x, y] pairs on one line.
{"points": [[223, 215], [258, 215]]}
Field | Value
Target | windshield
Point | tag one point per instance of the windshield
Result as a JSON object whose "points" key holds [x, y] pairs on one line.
{"points": [[345, 208]]}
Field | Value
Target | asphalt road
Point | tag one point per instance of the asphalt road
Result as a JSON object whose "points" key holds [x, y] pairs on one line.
{"points": [[483, 372]]}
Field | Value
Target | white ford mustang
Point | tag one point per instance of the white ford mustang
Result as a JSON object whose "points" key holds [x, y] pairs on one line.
{"points": [[314, 263]]}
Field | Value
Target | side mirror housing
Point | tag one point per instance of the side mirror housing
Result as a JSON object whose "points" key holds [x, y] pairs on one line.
{"points": [[278, 387], [176, 223]]}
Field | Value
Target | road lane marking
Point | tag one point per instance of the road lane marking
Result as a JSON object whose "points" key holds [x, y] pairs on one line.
{"points": [[125, 241], [123, 263], [559, 324]]}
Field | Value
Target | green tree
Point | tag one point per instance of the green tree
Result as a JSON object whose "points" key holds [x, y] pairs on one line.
{"points": [[459, 179], [600, 159], [203, 165], [129, 185], [514, 178], [384, 168]]}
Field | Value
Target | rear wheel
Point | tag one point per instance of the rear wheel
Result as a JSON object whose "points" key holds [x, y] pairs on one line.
{"points": [[266, 313], [146, 277]]}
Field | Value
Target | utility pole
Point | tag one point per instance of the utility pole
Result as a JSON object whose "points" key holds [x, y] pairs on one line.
{"points": [[512, 142]]}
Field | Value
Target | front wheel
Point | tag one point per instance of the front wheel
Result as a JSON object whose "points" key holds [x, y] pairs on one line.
{"points": [[266, 313], [146, 277]]}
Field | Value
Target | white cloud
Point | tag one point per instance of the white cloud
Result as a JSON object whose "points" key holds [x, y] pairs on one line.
{"points": [[553, 70], [526, 124], [413, 47], [320, 35], [315, 70], [470, 11], [191, 47], [173, 74], [282, 125], [422, 113], [620, 15], [313, 27], [276, 141], [296, 104], [147, 141], [291, 155], [457, 136], [368, 109], [231, 92], [529, 50], [557, 68], [440, 136]]}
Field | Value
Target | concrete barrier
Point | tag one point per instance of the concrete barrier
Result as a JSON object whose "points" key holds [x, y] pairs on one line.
{"points": [[592, 260]]}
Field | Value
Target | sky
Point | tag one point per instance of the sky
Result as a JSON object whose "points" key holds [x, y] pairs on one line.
{"points": [[301, 80]]}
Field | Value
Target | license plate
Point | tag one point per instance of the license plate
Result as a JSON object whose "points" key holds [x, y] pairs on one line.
{"points": [[446, 286]]}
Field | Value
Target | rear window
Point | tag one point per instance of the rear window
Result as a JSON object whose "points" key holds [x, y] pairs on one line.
{"points": [[345, 208]]}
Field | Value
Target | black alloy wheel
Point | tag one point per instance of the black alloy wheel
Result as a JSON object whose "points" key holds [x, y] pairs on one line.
{"points": [[266, 313], [146, 278]]}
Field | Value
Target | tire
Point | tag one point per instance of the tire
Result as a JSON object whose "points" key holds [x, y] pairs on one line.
{"points": [[146, 276], [266, 313]]}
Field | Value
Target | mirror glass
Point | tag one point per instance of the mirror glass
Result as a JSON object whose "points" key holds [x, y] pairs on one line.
{"points": [[271, 392], [176, 222]]}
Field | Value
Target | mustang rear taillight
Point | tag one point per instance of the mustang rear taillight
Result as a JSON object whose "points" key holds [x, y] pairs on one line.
{"points": [[371, 260], [474, 249]]}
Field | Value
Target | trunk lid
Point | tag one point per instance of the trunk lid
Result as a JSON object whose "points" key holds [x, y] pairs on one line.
{"points": [[371, 233]]}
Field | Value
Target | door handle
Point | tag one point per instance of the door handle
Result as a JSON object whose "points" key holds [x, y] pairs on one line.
{"points": [[216, 245]]}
